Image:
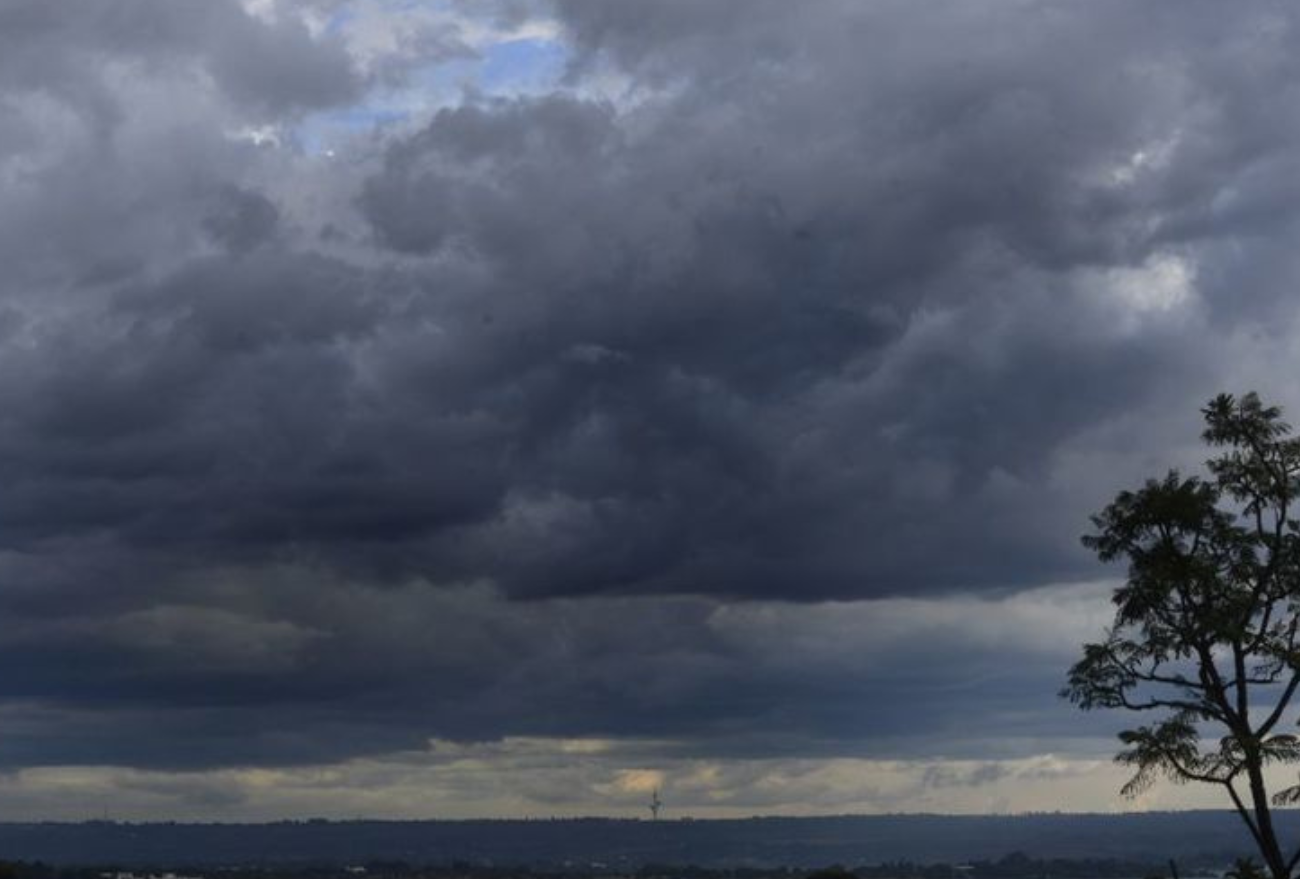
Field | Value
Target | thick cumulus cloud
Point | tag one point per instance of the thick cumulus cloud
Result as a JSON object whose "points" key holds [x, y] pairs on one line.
{"points": [[267, 66], [799, 318], [562, 412]]}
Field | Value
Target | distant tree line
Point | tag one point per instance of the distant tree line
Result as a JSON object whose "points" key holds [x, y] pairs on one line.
{"points": [[1013, 866]]}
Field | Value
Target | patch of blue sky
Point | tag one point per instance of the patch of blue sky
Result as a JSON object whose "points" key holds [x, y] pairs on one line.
{"points": [[339, 20], [320, 133], [345, 15], [510, 67], [523, 66]]}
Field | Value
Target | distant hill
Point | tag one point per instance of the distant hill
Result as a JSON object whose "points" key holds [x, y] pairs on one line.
{"points": [[1207, 837]]}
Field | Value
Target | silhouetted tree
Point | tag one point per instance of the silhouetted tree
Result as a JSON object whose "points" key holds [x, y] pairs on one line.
{"points": [[835, 871], [1244, 868], [1205, 631]]}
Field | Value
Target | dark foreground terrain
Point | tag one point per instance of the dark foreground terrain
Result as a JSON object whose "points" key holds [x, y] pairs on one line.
{"points": [[598, 844], [1013, 866]]}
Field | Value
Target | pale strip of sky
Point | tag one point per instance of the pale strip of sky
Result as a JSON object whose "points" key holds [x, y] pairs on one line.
{"points": [[520, 778]]}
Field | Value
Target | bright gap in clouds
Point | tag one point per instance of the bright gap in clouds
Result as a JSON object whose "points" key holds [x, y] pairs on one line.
{"points": [[537, 778], [540, 778]]}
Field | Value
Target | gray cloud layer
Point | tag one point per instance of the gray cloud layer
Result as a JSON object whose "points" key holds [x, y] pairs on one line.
{"points": [[478, 424]]}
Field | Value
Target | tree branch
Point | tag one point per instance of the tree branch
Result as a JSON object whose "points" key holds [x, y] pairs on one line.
{"points": [[1244, 813], [1285, 699]]}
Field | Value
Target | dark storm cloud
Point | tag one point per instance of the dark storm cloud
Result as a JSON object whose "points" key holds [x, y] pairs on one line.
{"points": [[534, 398], [835, 315], [69, 48], [298, 668]]}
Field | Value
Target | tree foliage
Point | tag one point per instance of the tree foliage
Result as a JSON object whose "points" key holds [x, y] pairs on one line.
{"points": [[1204, 639]]}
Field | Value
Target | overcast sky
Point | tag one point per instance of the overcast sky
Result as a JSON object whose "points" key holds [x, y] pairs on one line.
{"points": [[434, 409]]}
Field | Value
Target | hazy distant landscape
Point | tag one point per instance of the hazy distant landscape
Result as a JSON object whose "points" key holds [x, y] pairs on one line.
{"points": [[1204, 839], [1013, 866]]}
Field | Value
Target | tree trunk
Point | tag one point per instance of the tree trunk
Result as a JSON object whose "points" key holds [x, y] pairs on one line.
{"points": [[1268, 845]]}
